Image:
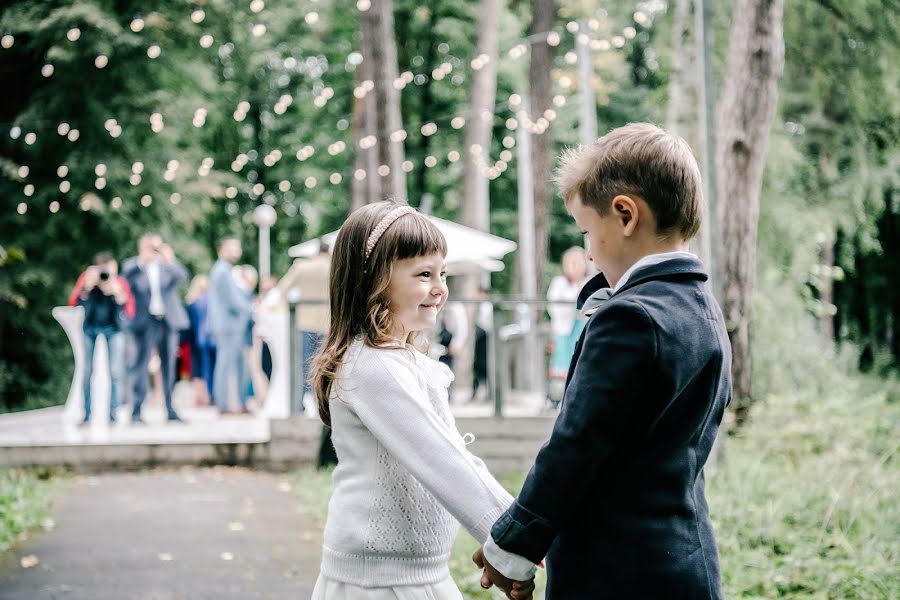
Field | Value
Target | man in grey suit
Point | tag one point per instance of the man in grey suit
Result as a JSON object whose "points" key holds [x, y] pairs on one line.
{"points": [[154, 276], [229, 314]]}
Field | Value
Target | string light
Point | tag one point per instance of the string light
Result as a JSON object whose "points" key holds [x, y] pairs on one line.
{"points": [[7, 42], [23, 171], [146, 200], [99, 170], [54, 207], [62, 171], [116, 203], [65, 186], [445, 68], [22, 208], [28, 190]]}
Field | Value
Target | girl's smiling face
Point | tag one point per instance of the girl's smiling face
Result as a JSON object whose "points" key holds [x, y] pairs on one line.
{"points": [[416, 292]]}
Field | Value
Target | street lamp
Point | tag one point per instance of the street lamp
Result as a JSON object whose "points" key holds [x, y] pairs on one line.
{"points": [[264, 216]]}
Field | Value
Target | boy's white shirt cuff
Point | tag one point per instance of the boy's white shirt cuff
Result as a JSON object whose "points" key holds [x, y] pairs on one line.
{"points": [[513, 566]]}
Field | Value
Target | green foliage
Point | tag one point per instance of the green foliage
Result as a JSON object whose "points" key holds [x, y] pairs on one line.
{"points": [[25, 499]]}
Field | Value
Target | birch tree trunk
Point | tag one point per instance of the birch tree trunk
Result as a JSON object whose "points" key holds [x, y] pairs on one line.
{"points": [[377, 26], [753, 67]]}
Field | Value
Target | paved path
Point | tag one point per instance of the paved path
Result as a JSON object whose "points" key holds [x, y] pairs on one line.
{"points": [[187, 534]]}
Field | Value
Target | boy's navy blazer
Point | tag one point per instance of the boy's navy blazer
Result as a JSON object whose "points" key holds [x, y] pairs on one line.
{"points": [[615, 499]]}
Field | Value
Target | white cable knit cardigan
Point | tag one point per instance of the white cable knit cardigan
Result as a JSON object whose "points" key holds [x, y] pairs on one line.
{"points": [[404, 481]]}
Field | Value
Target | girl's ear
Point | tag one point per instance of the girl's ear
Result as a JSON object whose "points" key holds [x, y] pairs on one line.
{"points": [[625, 210]]}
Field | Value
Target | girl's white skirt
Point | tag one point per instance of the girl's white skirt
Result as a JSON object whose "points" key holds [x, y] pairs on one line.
{"points": [[328, 589]]}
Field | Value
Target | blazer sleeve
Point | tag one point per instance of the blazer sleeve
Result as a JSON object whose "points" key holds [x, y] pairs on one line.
{"points": [[395, 410], [618, 348]]}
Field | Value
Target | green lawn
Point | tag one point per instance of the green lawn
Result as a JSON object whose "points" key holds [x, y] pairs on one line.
{"points": [[804, 500]]}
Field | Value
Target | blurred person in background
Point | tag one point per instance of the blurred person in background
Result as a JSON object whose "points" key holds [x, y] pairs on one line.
{"points": [[154, 276], [203, 350], [108, 306], [228, 317], [565, 322]]}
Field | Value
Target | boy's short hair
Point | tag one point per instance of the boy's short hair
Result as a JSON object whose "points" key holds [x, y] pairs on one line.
{"points": [[641, 160]]}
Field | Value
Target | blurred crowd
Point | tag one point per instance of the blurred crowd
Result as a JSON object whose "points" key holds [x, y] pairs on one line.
{"points": [[155, 337]]}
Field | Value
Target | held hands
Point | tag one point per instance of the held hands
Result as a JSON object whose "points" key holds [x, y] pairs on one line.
{"points": [[515, 590]]}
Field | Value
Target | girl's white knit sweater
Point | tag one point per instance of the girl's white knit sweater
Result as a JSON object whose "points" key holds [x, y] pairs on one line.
{"points": [[404, 480]]}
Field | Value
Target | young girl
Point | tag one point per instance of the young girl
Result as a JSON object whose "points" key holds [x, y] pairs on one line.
{"points": [[404, 481]]}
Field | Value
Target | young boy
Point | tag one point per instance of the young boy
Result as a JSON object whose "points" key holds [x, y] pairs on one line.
{"points": [[615, 500]]}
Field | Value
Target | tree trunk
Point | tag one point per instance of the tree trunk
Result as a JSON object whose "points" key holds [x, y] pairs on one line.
{"points": [[753, 66], [826, 293], [679, 108], [540, 85], [377, 25], [367, 190], [474, 211]]}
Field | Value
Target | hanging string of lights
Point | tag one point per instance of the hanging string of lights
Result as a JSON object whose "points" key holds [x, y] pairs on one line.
{"points": [[439, 72]]}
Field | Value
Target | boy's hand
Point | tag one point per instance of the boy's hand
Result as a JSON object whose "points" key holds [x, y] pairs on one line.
{"points": [[516, 590]]}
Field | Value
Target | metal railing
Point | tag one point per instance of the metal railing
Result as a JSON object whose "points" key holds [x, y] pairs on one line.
{"points": [[517, 349]]}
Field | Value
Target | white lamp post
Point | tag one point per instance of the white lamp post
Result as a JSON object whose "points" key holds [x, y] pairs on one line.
{"points": [[264, 216]]}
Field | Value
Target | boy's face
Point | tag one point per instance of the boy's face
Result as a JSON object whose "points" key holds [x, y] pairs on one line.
{"points": [[606, 238]]}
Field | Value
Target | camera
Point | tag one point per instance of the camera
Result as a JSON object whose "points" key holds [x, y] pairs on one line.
{"points": [[104, 275]]}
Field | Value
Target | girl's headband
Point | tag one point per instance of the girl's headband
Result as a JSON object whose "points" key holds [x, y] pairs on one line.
{"points": [[383, 225]]}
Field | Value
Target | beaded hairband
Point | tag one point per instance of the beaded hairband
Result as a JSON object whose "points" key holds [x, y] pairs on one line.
{"points": [[383, 225]]}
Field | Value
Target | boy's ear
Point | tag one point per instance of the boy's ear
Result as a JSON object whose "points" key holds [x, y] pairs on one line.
{"points": [[625, 210]]}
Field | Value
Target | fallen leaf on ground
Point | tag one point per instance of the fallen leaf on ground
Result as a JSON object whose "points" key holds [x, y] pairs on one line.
{"points": [[29, 561]]}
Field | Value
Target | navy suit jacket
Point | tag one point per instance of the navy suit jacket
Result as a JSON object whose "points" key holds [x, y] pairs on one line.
{"points": [[615, 499], [171, 276]]}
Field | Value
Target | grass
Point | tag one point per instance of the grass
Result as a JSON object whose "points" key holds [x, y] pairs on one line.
{"points": [[25, 499], [804, 499]]}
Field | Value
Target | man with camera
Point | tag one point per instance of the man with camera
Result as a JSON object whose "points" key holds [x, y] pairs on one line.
{"points": [[154, 275], [107, 301]]}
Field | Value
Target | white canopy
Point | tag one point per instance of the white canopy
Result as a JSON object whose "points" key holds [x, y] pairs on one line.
{"points": [[468, 250]]}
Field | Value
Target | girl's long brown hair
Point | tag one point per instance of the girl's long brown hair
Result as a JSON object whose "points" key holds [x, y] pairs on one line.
{"points": [[358, 287]]}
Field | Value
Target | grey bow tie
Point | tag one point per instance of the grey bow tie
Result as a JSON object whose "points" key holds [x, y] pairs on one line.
{"points": [[594, 301]]}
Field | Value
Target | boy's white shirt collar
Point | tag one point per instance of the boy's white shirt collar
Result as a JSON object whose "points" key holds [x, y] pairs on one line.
{"points": [[593, 302]]}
